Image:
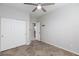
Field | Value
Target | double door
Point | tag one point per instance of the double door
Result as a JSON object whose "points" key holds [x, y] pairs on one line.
{"points": [[13, 33]]}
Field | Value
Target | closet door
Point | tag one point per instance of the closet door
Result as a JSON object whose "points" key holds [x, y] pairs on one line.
{"points": [[13, 33]]}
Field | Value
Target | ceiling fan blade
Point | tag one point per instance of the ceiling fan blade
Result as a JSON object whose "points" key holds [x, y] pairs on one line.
{"points": [[34, 9], [46, 4], [31, 4], [43, 9]]}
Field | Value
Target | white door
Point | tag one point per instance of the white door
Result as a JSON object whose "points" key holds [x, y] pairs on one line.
{"points": [[38, 31], [12, 33]]}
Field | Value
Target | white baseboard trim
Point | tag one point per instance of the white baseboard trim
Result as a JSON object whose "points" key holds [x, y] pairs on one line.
{"points": [[62, 48], [13, 47], [28, 43]]}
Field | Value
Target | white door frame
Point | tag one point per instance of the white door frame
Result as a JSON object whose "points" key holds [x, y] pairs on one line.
{"points": [[0, 34]]}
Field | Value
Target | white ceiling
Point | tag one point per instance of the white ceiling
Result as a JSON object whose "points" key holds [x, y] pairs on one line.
{"points": [[29, 8]]}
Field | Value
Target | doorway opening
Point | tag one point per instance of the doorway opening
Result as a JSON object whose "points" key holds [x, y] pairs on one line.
{"points": [[36, 32]]}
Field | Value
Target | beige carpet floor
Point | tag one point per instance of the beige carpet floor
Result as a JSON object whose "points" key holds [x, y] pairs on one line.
{"points": [[37, 48]]}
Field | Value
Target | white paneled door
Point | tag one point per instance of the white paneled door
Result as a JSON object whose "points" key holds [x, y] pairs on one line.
{"points": [[13, 33]]}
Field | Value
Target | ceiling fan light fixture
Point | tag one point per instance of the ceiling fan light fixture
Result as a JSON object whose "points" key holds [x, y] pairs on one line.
{"points": [[39, 7]]}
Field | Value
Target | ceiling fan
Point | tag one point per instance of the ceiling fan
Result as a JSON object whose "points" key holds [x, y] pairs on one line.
{"points": [[39, 6]]}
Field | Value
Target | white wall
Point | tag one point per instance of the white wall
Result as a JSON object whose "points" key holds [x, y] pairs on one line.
{"points": [[62, 27], [13, 13]]}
